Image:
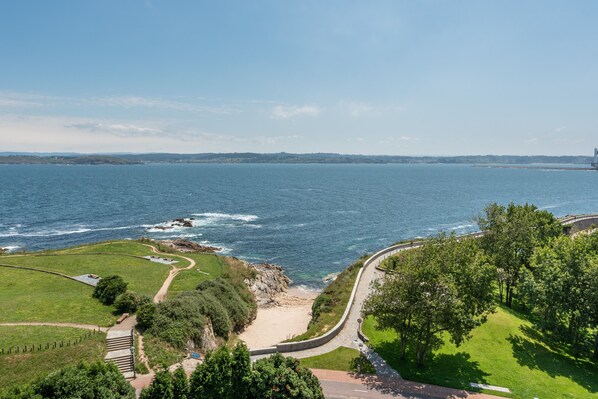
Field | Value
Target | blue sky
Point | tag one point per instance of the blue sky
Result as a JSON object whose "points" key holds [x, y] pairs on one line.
{"points": [[371, 77]]}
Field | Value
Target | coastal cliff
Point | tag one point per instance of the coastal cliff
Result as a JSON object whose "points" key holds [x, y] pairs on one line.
{"points": [[269, 281]]}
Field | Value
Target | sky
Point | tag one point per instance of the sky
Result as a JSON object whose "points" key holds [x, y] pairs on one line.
{"points": [[358, 77]]}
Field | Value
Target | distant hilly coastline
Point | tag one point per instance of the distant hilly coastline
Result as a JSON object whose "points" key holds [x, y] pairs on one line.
{"points": [[285, 158]]}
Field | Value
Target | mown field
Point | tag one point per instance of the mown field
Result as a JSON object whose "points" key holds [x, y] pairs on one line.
{"points": [[17, 369], [504, 352]]}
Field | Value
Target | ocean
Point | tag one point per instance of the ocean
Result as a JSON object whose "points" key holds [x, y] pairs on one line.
{"points": [[311, 219]]}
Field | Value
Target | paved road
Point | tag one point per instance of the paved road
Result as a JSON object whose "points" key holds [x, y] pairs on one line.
{"points": [[342, 385]]}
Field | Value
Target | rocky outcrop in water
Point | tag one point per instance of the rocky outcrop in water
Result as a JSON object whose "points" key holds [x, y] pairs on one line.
{"points": [[179, 222], [269, 281], [184, 245]]}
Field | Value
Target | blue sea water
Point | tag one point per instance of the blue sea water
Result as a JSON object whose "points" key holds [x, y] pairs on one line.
{"points": [[311, 219]]}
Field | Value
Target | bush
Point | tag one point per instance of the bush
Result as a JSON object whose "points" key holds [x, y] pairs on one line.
{"points": [[178, 320], [213, 309], [109, 288], [145, 315], [96, 381], [130, 301], [227, 295]]}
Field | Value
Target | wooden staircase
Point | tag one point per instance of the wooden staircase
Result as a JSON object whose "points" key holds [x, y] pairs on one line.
{"points": [[121, 351]]}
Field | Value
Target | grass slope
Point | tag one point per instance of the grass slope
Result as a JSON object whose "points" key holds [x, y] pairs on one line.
{"points": [[342, 359], [33, 296], [503, 352], [18, 369], [187, 280], [330, 305], [142, 275]]}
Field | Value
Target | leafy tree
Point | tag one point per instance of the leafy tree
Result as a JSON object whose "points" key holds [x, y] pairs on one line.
{"points": [[444, 286], [109, 288], [213, 378], [180, 384], [130, 301], [510, 236], [145, 315], [279, 377], [241, 371], [94, 381], [162, 387], [563, 287]]}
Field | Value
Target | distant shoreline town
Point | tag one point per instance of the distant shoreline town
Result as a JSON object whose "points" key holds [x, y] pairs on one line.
{"points": [[286, 158]]}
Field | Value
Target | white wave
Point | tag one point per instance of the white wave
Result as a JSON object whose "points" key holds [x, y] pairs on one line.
{"points": [[217, 216], [11, 248], [462, 226], [52, 233]]}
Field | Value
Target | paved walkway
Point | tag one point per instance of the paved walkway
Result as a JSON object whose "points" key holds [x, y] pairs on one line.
{"points": [[348, 335], [340, 384]]}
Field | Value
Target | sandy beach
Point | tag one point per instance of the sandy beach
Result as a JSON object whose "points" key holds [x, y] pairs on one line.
{"points": [[288, 318]]}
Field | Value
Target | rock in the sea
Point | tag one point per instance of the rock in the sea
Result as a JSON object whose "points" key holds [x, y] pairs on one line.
{"points": [[269, 281]]}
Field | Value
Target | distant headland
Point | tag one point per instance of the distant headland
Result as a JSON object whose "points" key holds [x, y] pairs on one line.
{"points": [[285, 158]]}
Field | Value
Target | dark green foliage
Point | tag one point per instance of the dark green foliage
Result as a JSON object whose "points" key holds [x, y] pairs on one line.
{"points": [[180, 384], [213, 378], [95, 381], [145, 315], [279, 377], [510, 235], [226, 375], [241, 371], [178, 320], [444, 286], [162, 387], [109, 288], [130, 301], [213, 309], [237, 309]]}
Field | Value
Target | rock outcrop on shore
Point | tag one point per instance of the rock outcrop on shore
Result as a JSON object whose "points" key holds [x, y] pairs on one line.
{"points": [[269, 281], [179, 222], [184, 245]]}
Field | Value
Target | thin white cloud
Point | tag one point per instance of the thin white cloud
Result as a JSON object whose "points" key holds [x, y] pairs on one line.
{"points": [[119, 129], [291, 111], [358, 109], [271, 140]]}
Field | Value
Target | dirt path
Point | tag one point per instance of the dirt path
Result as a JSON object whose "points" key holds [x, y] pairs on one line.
{"points": [[161, 295], [74, 325]]}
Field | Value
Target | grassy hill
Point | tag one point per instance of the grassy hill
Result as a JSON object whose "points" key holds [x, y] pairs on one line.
{"points": [[504, 352]]}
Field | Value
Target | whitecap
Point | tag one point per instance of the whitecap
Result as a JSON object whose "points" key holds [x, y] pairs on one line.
{"points": [[217, 216]]}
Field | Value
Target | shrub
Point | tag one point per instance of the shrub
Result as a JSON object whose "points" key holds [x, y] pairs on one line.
{"points": [[96, 381], [109, 288], [130, 301], [178, 320], [214, 310], [225, 293], [145, 315]]}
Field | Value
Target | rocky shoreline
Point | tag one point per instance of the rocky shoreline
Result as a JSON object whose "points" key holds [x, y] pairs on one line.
{"points": [[268, 283], [187, 246]]}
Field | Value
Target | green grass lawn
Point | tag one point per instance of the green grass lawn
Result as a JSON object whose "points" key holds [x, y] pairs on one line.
{"points": [[17, 369], [503, 352], [342, 359], [33, 296], [187, 280], [142, 275], [116, 247]]}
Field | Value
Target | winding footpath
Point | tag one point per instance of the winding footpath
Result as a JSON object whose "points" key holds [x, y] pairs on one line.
{"points": [[161, 295]]}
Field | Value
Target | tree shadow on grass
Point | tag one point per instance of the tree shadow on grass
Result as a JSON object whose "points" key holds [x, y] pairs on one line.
{"points": [[447, 370], [537, 357]]}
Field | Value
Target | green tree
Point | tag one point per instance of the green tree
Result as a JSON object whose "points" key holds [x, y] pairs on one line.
{"points": [[145, 315], [162, 387], [213, 378], [279, 377], [94, 381], [130, 301], [510, 235], [180, 384], [109, 288], [444, 286], [241, 371]]}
